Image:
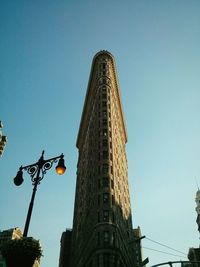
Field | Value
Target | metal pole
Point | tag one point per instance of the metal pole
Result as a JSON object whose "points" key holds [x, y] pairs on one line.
{"points": [[28, 218]]}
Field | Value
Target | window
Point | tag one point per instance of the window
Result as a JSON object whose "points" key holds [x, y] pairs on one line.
{"points": [[113, 238], [105, 182], [104, 132], [121, 211], [99, 169], [111, 145], [105, 168], [113, 217], [98, 238], [112, 184], [99, 183], [105, 154], [106, 215], [105, 122], [106, 236], [98, 145], [104, 104], [111, 170], [105, 142], [98, 260], [115, 260], [128, 234], [104, 80], [106, 260], [105, 198], [113, 199], [104, 96], [104, 114]]}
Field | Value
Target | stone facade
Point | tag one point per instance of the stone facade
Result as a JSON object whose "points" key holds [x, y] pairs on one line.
{"points": [[102, 234]]}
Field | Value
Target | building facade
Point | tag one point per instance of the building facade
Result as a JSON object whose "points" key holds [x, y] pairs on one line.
{"points": [[102, 234]]}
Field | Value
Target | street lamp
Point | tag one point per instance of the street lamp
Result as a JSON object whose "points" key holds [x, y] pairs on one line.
{"points": [[37, 172]]}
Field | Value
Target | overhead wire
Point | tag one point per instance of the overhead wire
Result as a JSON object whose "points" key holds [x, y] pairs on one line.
{"points": [[156, 242], [179, 256]]}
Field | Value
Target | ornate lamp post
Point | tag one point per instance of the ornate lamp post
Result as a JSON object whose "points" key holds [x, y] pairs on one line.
{"points": [[37, 172]]}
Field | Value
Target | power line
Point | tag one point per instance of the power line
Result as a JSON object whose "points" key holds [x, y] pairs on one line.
{"points": [[165, 246], [164, 252]]}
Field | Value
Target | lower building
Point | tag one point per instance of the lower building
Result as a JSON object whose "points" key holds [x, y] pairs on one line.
{"points": [[65, 248], [7, 235], [13, 233], [194, 257]]}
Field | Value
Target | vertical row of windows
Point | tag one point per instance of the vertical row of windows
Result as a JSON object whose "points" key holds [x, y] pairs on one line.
{"points": [[105, 154], [106, 216], [103, 169], [105, 183], [105, 198], [108, 238], [104, 125]]}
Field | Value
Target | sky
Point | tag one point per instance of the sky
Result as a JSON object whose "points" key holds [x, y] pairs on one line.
{"points": [[46, 51]]}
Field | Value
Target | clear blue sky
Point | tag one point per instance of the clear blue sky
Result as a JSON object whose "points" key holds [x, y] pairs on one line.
{"points": [[46, 50]]}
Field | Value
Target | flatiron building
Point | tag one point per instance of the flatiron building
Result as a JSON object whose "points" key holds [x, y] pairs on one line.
{"points": [[102, 233]]}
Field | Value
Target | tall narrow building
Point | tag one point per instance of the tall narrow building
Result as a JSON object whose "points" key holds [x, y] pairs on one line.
{"points": [[102, 234]]}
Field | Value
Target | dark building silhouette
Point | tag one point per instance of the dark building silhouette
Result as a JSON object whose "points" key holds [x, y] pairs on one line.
{"points": [[102, 234], [194, 253]]}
